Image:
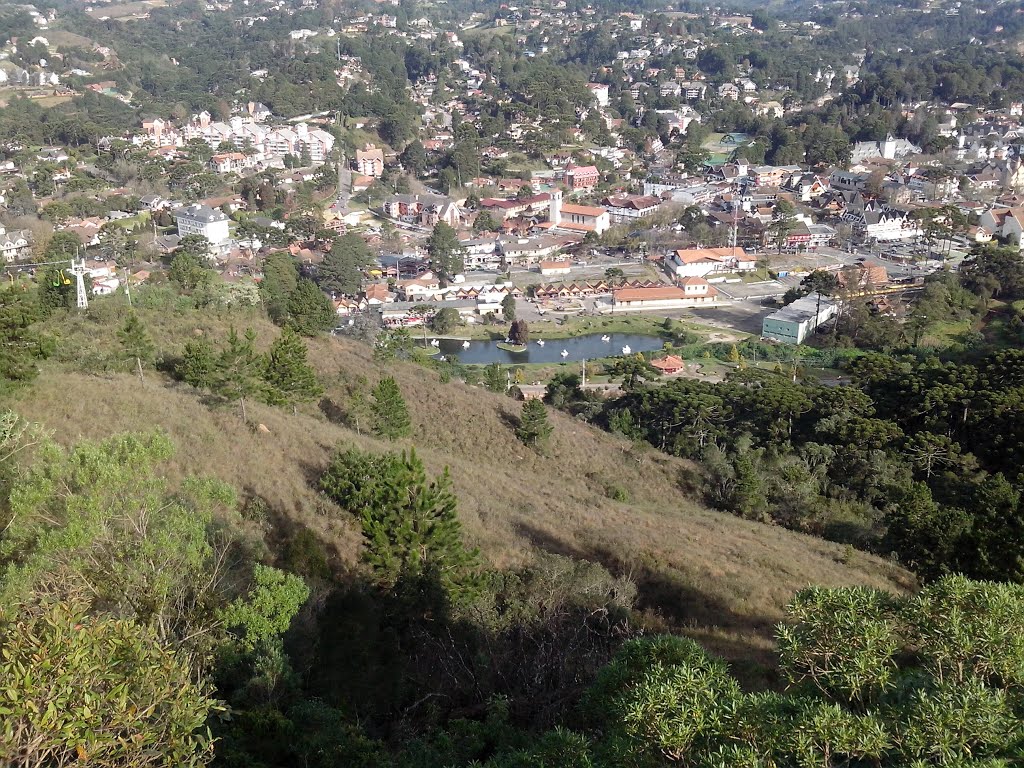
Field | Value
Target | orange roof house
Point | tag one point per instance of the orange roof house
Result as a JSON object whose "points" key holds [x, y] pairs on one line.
{"points": [[669, 364]]}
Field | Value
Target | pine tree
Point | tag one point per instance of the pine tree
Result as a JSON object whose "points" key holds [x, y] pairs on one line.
{"points": [[197, 364], [280, 279], [190, 269], [21, 346], [136, 342], [342, 267], [309, 311], [390, 413], [446, 254], [748, 497], [289, 378], [508, 308], [534, 427], [410, 524], [495, 378], [236, 374]]}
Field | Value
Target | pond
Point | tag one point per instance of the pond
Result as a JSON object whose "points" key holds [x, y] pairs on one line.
{"points": [[589, 347]]}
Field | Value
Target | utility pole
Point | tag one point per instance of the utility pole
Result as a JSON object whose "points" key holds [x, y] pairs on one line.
{"points": [[584, 363], [78, 270], [735, 220]]}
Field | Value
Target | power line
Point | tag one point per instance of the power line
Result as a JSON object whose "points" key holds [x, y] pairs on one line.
{"points": [[30, 265]]}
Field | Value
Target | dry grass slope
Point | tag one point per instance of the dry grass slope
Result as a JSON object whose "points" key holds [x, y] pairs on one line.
{"points": [[723, 579]]}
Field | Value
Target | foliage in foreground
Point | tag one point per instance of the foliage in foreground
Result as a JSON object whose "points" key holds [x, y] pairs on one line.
{"points": [[79, 689], [120, 591], [876, 680]]}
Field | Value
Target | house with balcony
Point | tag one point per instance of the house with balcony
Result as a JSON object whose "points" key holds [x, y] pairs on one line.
{"points": [[623, 208]]}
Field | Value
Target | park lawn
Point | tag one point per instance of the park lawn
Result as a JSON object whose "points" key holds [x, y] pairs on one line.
{"points": [[139, 220]]}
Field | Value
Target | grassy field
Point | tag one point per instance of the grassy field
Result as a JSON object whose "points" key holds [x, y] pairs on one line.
{"points": [[714, 576], [126, 10], [42, 96], [61, 38]]}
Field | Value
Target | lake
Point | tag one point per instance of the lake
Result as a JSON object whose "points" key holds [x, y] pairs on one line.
{"points": [[587, 347]]}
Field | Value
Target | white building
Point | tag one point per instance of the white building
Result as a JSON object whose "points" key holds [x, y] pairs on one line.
{"points": [[14, 245], [1005, 222], [890, 149], [370, 161], [202, 220], [699, 262], [694, 291], [795, 322], [600, 91]]}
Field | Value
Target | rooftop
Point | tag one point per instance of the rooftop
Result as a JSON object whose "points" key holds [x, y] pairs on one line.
{"points": [[649, 294], [198, 212], [802, 309]]}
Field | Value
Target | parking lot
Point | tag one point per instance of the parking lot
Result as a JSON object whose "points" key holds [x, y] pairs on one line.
{"points": [[741, 316]]}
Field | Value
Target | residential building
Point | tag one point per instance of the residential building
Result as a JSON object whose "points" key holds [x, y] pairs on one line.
{"points": [[202, 220], [692, 91], [600, 92], [1005, 222], [231, 162], [865, 277], [423, 210], [806, 186], [729, 91], [370, 161], [670, 88], [582, 176], [794, 323], [15, 245], [630, 207]]}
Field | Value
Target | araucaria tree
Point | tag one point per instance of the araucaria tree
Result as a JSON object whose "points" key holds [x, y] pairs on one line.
{"points": [[290, 379], [197, 364], [534, 427], [390, 413]]}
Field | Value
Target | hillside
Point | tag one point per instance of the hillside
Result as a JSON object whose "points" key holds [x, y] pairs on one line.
{"points": [[722, 578]]}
